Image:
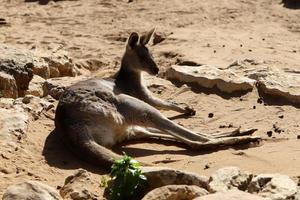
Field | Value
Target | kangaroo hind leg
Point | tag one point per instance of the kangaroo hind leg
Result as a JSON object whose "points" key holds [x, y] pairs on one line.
{"points": [[142, 114], [83, 145]]}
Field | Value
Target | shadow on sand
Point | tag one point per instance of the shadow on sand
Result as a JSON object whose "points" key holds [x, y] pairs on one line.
{"points": [[292, 4], [196, 88], [59, 155], [41, 2]]}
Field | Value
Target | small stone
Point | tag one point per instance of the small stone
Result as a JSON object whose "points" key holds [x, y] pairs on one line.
{"points": [[277, 129], [298, 137], [254, 107], [210, 115], [269, 133], [281, 116], [239, 153], [250, 50], [241, 45], [206, 166], [215, 51], [260, 100]]}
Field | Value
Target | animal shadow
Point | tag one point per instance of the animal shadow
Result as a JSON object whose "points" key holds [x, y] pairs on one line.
{"points": [[292, 4]]}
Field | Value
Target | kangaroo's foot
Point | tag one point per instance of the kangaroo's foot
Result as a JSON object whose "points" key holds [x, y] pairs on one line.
{"points": [[236, 132], [222, 142], [138, 132]]}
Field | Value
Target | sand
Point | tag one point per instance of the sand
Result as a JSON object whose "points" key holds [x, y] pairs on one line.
{"points": [[209, 32]]}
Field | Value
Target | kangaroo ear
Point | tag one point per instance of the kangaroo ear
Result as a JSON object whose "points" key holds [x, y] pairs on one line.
{"points": [[133, 39], [146, 37]]}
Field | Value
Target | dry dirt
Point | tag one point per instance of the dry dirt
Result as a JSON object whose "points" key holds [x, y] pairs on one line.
{"points": [[210, 32]]}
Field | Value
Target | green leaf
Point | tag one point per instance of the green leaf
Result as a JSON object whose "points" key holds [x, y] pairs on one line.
{"points": [[127, 179]]}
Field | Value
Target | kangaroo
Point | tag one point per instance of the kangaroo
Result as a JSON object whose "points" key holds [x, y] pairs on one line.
{"points": [[96, 114]]}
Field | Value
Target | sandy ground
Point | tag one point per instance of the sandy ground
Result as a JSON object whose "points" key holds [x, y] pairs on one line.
{"points": [[209, 32]]}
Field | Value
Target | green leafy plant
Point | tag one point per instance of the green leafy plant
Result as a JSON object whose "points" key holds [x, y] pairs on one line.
{"points": [[104, 181], [127, 179]]}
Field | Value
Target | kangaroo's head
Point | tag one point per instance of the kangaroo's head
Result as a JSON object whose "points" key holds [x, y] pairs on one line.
{"points": [[137, 54]]}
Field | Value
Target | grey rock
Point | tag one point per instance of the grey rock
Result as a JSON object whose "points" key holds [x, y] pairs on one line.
{"points": [[175, 192], [271, 81], [210, 77], [78, 187], [228, 178], [22, 64], [231, 195], [8, 86], [36, 86], [273, 186], [158, 177], [31, 190], [13, 122]]}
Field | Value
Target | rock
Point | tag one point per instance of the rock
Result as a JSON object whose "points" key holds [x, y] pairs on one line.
{"points": [[278, 83], [231, 195], [31, 190], [15, 115], [36, 86], [158, 177], [297, 196], [60, 64], [273, 186], [210, 77], [35, 106], [22, 64], [228, 178], [271, 81], [22, 75], [13, 122], [175, 192], [8, 86], [77, 187]]}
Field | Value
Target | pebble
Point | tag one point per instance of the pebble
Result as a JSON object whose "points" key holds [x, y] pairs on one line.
{"points": [[281, 116], [206, 166], [260, 100], [211, 115], [269, 133], [298, 137]]}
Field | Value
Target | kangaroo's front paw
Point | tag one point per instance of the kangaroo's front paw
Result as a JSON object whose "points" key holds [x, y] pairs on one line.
{"points": [[190, 111]]}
